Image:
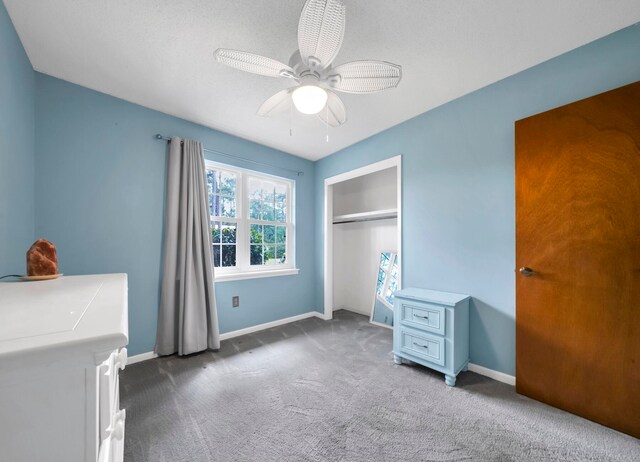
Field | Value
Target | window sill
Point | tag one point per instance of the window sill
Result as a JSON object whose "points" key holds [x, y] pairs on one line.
{"points": [[256, 274]]}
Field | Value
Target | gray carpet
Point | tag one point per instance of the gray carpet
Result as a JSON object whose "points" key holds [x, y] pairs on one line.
{"points": [[329, 391]]}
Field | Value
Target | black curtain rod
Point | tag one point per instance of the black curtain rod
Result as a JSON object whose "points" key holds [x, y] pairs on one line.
{"points": [[242, 159]]}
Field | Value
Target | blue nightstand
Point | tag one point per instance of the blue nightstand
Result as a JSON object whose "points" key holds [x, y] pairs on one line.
{"points": [[431, 328]]}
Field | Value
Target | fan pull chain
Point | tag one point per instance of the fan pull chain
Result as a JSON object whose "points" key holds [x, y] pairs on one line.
{"points": [[291, 120]]}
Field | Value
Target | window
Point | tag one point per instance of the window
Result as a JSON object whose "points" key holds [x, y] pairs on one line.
{"points": [[223, 187], [251, 223]]}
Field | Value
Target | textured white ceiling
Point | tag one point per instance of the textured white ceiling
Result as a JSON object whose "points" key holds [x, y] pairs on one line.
{"points": [[158, 53]]}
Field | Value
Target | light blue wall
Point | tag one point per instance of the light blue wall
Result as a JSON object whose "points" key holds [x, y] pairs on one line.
{"points": [[458, 184], [96, 186], [17, 127], [100, 185]]}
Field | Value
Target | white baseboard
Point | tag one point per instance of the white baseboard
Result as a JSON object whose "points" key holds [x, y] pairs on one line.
{"points": [[141, 357], [237, 333], [268, 325], [495, 375]]}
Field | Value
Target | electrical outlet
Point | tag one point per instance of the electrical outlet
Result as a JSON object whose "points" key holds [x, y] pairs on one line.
{"points": [[235, 301]]}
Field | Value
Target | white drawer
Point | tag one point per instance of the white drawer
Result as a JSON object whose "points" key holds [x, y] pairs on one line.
{"points": [[108, 389], [112, 448]]}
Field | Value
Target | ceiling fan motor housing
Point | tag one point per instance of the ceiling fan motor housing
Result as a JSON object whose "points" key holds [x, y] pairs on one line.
{"points": [[313, 74]]}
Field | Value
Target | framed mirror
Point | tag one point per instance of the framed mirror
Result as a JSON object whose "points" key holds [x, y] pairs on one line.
{"points": [[386, 284]]}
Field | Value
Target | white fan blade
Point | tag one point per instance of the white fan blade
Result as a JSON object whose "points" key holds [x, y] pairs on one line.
{"points": [[277, 104], [334, 114], [253, 63], [365, 76], [320, 32]]}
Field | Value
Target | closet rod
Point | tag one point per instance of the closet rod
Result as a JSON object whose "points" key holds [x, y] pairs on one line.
{"points": [[365, 219], [243, 159]]}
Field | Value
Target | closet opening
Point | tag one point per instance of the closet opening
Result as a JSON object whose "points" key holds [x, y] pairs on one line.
{"points": [[362, 221]]}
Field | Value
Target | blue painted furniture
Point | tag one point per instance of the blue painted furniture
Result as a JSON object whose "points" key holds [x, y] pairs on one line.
{"points": [[431, 328]]}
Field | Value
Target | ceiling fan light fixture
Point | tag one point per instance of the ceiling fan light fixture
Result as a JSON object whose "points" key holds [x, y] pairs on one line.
{"points": [[320, 35], [309, 99]]}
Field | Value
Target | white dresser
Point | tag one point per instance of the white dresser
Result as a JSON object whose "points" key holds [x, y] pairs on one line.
{"points": [[61, 347]]}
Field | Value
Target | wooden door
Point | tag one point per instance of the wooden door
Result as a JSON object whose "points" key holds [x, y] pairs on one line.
{"points": [[578, 230]]}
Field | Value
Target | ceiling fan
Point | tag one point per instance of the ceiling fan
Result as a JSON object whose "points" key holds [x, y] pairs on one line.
{"points": [[320, 35]]}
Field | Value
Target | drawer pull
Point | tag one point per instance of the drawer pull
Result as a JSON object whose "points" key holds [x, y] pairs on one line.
{"points": [[423, 317], [121, 359], [118, 425], [423, 346]]}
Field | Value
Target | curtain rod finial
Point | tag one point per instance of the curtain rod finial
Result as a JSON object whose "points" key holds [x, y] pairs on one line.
{"points": [[159, 136]]}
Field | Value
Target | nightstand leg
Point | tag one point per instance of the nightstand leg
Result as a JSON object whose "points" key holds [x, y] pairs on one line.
{"points": [[450, 380], [397, 359]]}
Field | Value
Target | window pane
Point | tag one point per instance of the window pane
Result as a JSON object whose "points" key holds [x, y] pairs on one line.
{"points": [[281, 234], [255, 199], [269, 234], [267, 200], [281, 194], [213, 181], [256, 234], [255, 190], [269, 254], [268, 212], [281, 203], [216, 255], [215, 232], [255, 207], [228, 255], [281, 256], [268, 192], [215, 206], [228, 184], [256, 255], [228, 207], [229, 233]]}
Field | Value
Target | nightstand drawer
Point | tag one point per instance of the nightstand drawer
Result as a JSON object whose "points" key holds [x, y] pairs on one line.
{"points": [[425, 346], [423, 316]]}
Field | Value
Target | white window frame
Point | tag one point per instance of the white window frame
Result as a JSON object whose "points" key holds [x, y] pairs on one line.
{"points": [[243, 268]]}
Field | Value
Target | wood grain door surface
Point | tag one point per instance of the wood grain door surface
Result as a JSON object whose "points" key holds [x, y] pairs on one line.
{"points": [[578, 229]]}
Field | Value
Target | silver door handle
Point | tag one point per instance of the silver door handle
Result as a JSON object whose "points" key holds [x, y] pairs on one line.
{"points": [[526, 271], [423, 317]]}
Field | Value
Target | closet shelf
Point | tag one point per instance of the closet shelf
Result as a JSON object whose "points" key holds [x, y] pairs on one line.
{"points": [[366, 216]]}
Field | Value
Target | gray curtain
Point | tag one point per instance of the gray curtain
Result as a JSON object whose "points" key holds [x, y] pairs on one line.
{"points": [[187, 321]]}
